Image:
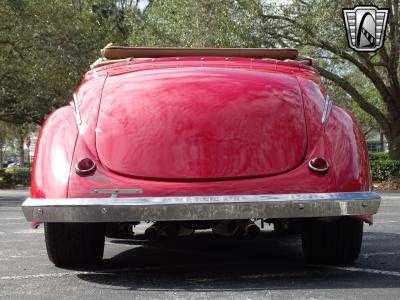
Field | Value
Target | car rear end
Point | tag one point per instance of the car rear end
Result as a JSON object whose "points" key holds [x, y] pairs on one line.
{"points": [[200, 143]]}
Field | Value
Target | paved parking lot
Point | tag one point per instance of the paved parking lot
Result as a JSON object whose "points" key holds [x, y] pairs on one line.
{"points": [[202, 267]]}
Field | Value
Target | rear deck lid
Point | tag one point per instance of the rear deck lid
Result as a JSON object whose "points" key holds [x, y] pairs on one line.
{"points": [[201, 124]]}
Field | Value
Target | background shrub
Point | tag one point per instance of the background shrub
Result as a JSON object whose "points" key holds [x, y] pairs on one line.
{"points": [[385, 169], [2, 177], [15, 176], [373, 156]]}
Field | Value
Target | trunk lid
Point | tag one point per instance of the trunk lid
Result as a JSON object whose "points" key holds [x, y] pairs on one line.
{"points": [[201, 124]]}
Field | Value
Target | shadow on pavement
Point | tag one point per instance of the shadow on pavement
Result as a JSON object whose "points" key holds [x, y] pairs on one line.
{"points": [[206, 263]]}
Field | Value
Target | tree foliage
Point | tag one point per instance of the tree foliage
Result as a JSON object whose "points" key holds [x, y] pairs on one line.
{"points": [[372, 80], [206, 23], [45, 46]]}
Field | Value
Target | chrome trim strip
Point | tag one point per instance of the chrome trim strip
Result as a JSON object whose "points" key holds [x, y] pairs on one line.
{"points": [[117, 191], [269, 206], [326, 109], [77, 112]]}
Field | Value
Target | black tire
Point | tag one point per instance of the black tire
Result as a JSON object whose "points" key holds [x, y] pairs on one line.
{"points": [[74, 244], [338, 242]]}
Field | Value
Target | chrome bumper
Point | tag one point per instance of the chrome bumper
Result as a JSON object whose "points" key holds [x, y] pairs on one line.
{"points": [[273, 206]]}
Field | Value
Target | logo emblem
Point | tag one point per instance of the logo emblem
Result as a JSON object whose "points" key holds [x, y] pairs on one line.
{"points": [[366, 27]]}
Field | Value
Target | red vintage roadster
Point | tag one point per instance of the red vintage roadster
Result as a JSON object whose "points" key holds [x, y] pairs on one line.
{"points": [[200, 138]]}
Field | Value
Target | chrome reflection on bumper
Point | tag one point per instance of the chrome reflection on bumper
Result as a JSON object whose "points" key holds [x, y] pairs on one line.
{"points": [[272, 206]]}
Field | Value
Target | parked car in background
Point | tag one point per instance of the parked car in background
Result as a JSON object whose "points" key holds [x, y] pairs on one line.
{"points": [[14, 165], [5, 163], [200, 138]]}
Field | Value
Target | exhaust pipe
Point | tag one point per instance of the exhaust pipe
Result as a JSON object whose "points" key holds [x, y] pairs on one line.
{"points": [[236, 228], [167, 229], [154, 230], [250, 228], [228, 228]]}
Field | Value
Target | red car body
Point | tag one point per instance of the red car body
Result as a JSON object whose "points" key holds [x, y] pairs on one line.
{"points": [[200, 126], [225, 141]]}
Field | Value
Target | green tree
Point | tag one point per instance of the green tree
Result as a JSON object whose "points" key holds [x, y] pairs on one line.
{"points": [[206, 23], [45, 46], [5, 135], [316, 27]]}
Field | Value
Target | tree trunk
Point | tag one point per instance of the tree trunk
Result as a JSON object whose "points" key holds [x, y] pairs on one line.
{"points": [[1, 156], [394, 135], [394, 147], [21, 151]]}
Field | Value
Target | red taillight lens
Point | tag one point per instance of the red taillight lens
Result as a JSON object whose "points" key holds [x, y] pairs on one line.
{"points": [[318, 164], [85, 166]]}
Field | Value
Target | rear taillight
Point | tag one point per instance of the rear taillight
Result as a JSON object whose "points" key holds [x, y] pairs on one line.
{"points": [[85, 166], [318, 165]]}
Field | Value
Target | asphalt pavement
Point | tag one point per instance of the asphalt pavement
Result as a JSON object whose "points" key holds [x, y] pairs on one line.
{"points": [[200, 267]]}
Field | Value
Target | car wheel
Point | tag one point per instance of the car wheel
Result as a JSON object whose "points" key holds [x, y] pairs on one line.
{"points": [[74, 244], [337, 242]]}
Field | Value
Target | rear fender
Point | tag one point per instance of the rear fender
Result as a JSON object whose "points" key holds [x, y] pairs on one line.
{"points": [[343, 137], [349, 154], [348, 151], [53, 155]]}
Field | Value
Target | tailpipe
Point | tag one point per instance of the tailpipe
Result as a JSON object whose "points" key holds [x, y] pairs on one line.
{"points": [[167, 229], [236, 228], [228, 228], [154, 230], [249, 228]]}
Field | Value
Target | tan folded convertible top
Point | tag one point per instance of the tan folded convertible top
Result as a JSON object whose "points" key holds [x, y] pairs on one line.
{"points": [[113, 54], [116, 52]]}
